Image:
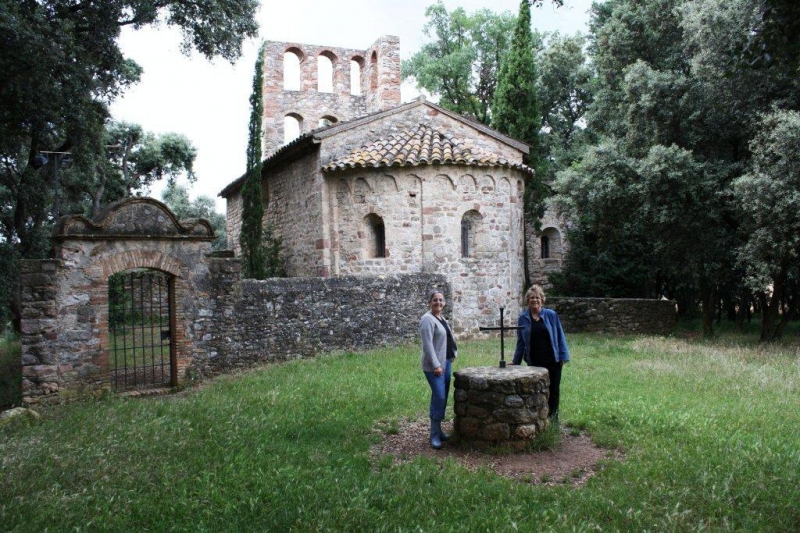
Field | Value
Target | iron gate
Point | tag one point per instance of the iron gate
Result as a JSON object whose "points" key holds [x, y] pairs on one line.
{"points": [[140, 329]]}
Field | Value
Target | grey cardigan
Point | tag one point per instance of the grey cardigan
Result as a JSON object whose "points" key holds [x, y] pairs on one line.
{"points": [[434, 342]]}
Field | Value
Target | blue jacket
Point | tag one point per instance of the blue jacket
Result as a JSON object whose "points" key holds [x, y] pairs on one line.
{"points": [[553, 325]]}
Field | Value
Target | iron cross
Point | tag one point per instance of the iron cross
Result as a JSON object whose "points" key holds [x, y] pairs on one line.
{"points": [[502, 328]]}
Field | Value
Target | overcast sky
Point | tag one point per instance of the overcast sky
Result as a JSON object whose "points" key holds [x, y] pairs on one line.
{"points": [[208, 101]]}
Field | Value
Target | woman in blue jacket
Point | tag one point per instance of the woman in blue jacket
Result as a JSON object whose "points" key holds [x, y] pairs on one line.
{"points": [[541, 342], [438, 351]]}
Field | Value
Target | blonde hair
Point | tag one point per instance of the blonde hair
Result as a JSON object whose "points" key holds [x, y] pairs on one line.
{"points": [[535, 290]]}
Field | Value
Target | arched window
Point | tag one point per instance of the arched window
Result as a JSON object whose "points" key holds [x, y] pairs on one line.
{"points": [[465, 233], [356, 66], [373, 75], [292, 126], [325, 72], [375, 245], [470, 227], [550, 244], [291, 69], [327, 120]]}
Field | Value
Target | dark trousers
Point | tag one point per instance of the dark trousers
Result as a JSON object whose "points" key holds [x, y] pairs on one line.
{"points": [[554, 369]]}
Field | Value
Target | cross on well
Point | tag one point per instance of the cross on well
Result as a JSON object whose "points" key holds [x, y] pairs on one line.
{"points": [[502, 329]]}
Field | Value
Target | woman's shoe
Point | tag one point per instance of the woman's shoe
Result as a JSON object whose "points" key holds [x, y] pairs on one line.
{"points": [[436, 434]]}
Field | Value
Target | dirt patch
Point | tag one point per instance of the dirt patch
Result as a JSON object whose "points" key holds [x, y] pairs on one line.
{"points": [[574, 460]]}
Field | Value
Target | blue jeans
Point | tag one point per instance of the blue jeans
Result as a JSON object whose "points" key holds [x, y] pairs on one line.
{"points": [[440, 388]]}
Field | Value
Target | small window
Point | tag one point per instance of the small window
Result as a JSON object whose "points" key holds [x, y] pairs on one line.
{"points": [[373, 75], [550, 244], [291, 70], [292, 126], [327, 120], [465, 237], [470, 228], [545, 240], [376, 236]]}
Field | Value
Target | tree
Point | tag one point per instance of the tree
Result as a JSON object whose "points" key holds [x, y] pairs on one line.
{"points": [[62, 66], [130, 160], [768, 197], [773, 40], [565, 89], [668, 104], [461, 64], [177, 198], [516, 110], [251, 236]]}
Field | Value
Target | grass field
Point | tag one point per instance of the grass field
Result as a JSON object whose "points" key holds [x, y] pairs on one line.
{"points": [[710, 433]]}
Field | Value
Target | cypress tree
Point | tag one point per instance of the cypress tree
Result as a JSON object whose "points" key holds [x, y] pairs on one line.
{"points": [[517, 112], [253, 257]]}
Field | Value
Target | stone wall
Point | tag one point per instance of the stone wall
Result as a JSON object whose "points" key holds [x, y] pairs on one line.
{"points": [[500, 406], [254, 322], [615, 315]]}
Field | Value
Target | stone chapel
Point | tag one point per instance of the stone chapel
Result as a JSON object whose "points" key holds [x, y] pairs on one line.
{"points": [[357, 183]]}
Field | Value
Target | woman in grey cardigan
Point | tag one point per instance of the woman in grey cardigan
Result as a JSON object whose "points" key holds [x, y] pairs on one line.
{"points": [[438, 351]]}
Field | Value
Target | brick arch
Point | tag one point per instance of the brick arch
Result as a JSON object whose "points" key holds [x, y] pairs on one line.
{"points": [[141, 259]]}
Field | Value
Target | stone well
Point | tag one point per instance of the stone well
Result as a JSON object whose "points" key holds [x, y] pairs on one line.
{"points": [[500, 406]]}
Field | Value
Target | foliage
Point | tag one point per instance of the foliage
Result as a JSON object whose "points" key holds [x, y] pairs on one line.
{"points": [[516, 110], [177, 199], [62, 67], [768, 197], [10, 371], [252, 232], [288, 447], [461, 64], [773, 41], [678, 116], [565, 92]]}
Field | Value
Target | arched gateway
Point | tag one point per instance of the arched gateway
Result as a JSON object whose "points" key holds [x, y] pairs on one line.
{"points": [[116, 305]]}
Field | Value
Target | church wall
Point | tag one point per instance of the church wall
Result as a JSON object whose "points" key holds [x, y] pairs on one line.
{"points": [[294, 211], [492, 276], [422, 209], [233, 221], [394, 196]]}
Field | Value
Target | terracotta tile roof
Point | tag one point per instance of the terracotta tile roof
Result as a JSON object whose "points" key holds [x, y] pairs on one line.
{"points": [[422, 145]]}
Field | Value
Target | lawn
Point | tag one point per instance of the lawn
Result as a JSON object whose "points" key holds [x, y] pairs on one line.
{"points": [[710, 432]]}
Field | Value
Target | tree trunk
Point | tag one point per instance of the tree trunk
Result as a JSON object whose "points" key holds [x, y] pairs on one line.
{"points": [[707, 296]]}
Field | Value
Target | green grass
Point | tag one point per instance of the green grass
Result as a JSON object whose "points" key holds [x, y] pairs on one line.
{"points": [[10, 372], [711, 435]]}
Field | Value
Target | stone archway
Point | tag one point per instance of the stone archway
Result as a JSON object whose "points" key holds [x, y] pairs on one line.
{"points": [[66, 344]]}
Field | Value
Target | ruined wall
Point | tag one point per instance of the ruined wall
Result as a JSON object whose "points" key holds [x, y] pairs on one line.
{"points": [[615, 315], [379, 86]]}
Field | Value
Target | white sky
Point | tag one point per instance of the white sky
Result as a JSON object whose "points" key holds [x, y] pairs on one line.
{"points": [[208, 101]]}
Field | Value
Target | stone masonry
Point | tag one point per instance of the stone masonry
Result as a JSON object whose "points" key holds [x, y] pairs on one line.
{"points": [[500, 406], [615, 315], [379, 67]]}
